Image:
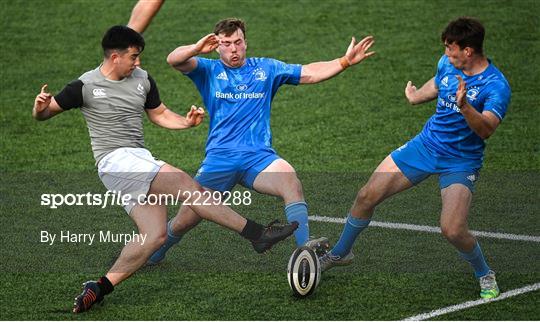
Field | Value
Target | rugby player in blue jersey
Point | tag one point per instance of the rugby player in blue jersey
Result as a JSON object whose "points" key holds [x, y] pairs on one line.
{"points": [[472, 99], [237, 92]]}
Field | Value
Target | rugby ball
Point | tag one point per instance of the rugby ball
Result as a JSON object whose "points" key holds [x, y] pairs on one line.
{"points": [[303, 271]]}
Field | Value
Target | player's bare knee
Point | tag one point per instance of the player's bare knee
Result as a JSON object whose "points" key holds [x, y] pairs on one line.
{"points": [[366, 198], [155, 237], [155, 241], [452, 232], [293, 189]]}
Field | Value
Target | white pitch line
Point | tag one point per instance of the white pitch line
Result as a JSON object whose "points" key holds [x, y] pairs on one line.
{"points": [[469, 304], [429, 229]]}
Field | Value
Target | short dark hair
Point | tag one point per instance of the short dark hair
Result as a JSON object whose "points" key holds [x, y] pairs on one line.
{"points": [[465, 32], [229, 26], [121, 38]]}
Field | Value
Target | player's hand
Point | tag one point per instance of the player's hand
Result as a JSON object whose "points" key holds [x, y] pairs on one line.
{"points": [[461, 93], [207, 44], [195, 116], [43, 99], [359, 51], [410, 91]]}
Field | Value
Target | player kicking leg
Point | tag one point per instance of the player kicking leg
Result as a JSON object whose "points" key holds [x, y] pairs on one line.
{"points": [[151, 221]]}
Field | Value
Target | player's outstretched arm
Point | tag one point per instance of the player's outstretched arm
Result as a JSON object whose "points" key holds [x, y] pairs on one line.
{"points": [[182, 57], [142, 14], [168, 119], [426, 93], [45, 106], [483, 124], [320, 71]]}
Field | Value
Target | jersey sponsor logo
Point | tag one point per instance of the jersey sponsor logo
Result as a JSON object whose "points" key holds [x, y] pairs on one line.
{"points": [[260, 74], [238, 96], [444, 81], [222, 76], [140, 88], [99, 92], [452, 105], [241, 87]]}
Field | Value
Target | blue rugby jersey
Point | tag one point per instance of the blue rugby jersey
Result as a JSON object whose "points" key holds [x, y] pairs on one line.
{"points": [[238, 100], [447, 131]]}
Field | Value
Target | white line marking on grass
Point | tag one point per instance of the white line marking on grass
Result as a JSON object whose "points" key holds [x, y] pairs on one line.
{"points": [[429, 229], [469, 304]]}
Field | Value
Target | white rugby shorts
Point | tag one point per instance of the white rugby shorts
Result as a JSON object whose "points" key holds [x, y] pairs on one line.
{"points": [[129, 171]]}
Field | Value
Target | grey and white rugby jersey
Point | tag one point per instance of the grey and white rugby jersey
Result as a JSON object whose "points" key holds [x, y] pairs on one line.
{"points": [[112, 109]]}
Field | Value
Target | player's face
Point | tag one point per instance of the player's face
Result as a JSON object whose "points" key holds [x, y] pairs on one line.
{"points": [[232, 48], [457, 56], [127, 61]]}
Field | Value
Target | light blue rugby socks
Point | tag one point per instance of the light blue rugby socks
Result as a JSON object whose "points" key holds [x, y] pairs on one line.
{"points": [[477, 260], [297, 211], [172, 239], [353, 227]]}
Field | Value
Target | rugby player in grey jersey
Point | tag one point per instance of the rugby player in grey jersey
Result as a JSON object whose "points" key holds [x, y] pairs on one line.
{"points": [[112, 98]]}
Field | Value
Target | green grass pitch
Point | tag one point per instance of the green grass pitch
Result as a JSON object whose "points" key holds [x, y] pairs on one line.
{"points": [[334, 134]]}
